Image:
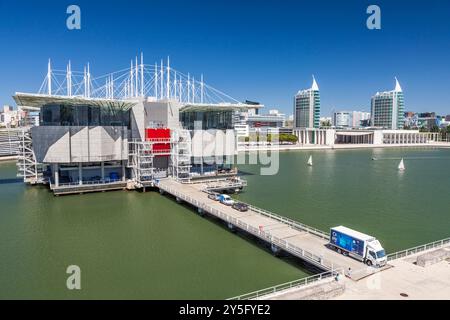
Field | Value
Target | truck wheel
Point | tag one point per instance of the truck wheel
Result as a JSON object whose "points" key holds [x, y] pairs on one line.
{"points": [[369, 263], [339, 251]]}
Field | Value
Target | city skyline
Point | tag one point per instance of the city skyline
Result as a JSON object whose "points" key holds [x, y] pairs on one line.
{"points": [[269, 74]]}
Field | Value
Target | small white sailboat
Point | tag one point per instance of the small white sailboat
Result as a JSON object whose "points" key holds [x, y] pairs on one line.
{"points": [[401, 165], [310, 161]]}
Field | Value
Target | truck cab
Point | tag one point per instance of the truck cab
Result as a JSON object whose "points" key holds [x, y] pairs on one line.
{"points": [[376, 256]]}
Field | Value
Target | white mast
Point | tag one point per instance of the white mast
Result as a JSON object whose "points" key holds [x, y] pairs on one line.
{"points": [[162, 80], [107, 87], [180, 85], [131, 79], [168, 79], [188, 89], [136, 80], [112, 87], [69, 79], [85, 82], [142, 74], [89, 80], [175, 86], [49, 77], [156, 81], [193, 90], [201, 89]]}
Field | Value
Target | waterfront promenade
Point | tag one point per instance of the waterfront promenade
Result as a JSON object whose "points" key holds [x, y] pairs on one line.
{"points": [[405, 280], [444, 145], [304, 242]]}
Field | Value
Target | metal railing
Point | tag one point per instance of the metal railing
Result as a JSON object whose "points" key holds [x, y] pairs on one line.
{"points": [[292, 223], [314, 259], [89, 183], [289, 285], [421, 248]]}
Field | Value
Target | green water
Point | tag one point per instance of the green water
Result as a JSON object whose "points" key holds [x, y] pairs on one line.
{"points": [[146, 246], [346, 187], [129, 245]]}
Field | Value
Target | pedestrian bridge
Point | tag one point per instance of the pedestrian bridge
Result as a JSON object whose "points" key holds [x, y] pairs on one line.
{"points": [[300, 240]]}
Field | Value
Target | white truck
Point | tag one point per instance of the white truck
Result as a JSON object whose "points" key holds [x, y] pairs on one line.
{"points": [[358, 245]]}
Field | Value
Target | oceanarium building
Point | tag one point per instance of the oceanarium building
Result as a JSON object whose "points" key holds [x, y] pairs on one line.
{"points": [[139, 125]]}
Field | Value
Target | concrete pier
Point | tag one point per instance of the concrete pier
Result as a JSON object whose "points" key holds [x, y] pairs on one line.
{"points": [[302, 241], [408, 278]]}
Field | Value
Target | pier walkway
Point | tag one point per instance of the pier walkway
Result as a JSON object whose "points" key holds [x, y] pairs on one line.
{"points": [[422, 272], [302, 241]]}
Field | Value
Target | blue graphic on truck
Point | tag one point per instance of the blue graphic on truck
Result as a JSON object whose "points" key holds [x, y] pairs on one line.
{"points": [[347, 242]]}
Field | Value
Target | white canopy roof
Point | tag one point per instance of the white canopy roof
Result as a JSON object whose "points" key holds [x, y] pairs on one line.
{"points": [[39, 100]]}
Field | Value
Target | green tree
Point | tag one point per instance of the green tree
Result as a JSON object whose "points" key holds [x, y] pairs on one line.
{"points": [[434, 128]]}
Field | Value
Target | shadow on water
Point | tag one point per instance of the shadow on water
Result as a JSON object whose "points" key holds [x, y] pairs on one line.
{"points": [[245, 173], [11, 181]]}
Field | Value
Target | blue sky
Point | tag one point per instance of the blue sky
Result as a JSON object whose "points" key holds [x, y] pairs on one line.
{"points": [[258, 50]]}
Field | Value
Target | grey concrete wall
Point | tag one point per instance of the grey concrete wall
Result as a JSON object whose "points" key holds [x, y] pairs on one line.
{"points": [[79, 144], [138, 121], [147, 114], [165, 113], [51, 144]]}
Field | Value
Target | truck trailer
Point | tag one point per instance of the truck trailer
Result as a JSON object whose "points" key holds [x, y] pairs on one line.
{"points": [[357, 245]]}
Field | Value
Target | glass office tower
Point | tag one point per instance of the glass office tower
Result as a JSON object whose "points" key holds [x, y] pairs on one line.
{"points": [[388, 109], [307, 107]]}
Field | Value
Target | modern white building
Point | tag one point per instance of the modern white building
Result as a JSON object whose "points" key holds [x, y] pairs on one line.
{"points": [[242, 130], [307, 107], [127, 131], [387, 109], [307, 116], [9, 117], [252, 123], [350, 119], [342, 119]]}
